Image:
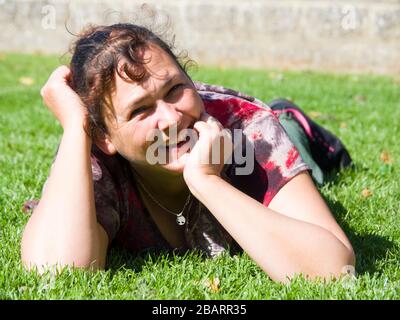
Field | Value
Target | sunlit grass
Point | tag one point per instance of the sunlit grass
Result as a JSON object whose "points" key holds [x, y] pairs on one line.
{"points": [[364, 111]]}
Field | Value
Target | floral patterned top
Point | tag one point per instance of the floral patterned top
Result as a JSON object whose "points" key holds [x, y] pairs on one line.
{"points": [[121, 211]]}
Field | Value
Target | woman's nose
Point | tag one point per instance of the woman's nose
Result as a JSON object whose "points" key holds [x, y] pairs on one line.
{"points": [[168, 116]]}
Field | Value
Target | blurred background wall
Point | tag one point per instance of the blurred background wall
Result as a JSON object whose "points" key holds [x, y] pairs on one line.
{"points": [[352, 36]]}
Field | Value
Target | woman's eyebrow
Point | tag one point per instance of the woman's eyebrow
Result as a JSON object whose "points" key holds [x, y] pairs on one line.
{"points": [[139, 99]]}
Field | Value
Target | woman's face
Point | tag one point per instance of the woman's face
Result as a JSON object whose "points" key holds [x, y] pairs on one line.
{"points": [[165, 102]]}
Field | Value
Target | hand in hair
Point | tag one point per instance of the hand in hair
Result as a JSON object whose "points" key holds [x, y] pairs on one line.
{"points": [[62, 100]]}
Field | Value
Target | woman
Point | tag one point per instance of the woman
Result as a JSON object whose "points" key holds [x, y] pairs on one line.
{"points": [[106, 189]]}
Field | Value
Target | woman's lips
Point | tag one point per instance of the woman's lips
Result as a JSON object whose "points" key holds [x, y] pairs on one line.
{"points": [[186, 137], [182, 137]]}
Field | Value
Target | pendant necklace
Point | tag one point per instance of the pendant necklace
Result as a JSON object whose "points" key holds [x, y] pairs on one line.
{"points": [[180, 219]]}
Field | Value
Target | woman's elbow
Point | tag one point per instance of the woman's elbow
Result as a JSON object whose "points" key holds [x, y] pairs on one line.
{"points": [[332, 265], [347, 267], [339, 264]]}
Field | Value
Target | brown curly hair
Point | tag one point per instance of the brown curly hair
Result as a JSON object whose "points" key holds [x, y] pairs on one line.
{"points": [[95, 59]]}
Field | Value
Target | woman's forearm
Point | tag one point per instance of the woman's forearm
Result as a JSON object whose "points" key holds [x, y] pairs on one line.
{"points": [[281, 245], [63, 228]]}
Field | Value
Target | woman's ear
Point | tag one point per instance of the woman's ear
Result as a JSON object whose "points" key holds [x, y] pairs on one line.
{"points": [[105, 144]]}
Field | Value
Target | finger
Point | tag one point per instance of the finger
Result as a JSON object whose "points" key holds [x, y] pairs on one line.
{"points": [[208, 118], [63, 70], [61, 73], [201, 126], [214, 123]]}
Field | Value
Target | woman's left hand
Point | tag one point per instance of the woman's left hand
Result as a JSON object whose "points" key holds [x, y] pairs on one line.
{"points": [[212, 150]]}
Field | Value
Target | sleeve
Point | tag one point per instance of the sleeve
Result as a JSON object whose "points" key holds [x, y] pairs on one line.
{"points": [[277, 156], [106, 198]]}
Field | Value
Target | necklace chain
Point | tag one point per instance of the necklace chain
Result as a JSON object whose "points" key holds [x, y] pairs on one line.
{"points": [[180, 219]]}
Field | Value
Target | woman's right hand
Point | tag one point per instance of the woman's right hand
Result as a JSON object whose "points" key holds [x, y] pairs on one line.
{"points": [[62, 100]]}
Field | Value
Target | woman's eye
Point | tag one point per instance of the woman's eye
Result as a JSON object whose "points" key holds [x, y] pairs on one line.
{"points": [[137, 111], [175, 88]]}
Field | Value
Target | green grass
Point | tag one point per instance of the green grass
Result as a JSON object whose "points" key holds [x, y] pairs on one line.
{"points": [[364, 111]]}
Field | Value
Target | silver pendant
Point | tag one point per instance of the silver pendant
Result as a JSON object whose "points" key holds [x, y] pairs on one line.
{"points": [[180, 220]]}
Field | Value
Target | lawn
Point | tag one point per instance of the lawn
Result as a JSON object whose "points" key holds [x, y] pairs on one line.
{"points": [[363, 110]]}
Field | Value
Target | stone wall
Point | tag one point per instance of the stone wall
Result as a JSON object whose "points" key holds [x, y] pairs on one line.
{"points": [[340, 36]]}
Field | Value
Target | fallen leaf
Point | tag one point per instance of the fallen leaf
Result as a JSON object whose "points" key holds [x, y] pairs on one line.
{"points": [[343, 125], [320, 116], [366, 193], [314, 114], [385, 157], [26, 81], [212, 284], [29, 206], [276, 76]]}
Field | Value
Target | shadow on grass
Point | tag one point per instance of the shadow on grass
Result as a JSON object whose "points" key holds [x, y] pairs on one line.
{"points": [[119, 259], [370, 249]]}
